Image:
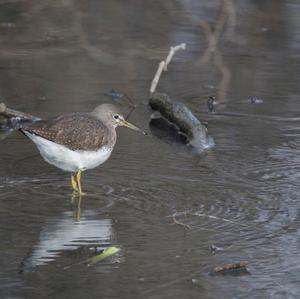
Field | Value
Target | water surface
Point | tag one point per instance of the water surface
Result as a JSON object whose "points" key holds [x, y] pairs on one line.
{"points": [[242, 195]]}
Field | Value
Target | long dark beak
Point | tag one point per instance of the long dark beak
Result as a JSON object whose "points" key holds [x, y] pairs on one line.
{"points": [[131, 126]]}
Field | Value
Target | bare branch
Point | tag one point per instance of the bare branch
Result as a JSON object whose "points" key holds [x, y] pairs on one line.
{"points": [[157, 76], [164, 64], [173, 50], [186, 226]]}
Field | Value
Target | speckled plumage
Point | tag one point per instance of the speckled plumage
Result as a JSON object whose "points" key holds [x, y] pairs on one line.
{"points": [[78, 141], [77, 131], [74, 142]]}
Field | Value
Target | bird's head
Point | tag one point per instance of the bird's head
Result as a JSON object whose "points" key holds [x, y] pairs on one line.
{"points": [[111, 115]]}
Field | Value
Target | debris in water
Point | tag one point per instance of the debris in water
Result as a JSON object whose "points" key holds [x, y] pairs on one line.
{"points": [[106, 253], [115, 95], [215, 249], [255, 100], [232, 269], [187, 123], [12, 119], [211, 104]]}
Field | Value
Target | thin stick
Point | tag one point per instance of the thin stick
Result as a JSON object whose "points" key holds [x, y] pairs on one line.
{"points": [[186, 226], [173, 50], [130, 100], [157, 76], [218, 218], [186, 213], [164, 64]]}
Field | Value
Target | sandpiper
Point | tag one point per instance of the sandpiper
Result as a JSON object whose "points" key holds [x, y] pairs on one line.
{"points": [[76, 142]]}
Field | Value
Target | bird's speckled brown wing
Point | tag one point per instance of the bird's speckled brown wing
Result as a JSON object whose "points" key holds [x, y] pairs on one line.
{"points": [[78, 131]]}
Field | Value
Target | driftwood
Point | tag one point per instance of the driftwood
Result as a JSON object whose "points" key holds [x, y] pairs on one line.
{"points": [[233, 269], [10, 113], [11, 120], [180, 115], [177, 113]]}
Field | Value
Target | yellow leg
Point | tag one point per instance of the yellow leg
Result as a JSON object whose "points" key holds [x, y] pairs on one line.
{"points": [[74, 182], [78, 179]]}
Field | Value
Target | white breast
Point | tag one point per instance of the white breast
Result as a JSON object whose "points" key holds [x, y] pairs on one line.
{"points": [[66, 159]]}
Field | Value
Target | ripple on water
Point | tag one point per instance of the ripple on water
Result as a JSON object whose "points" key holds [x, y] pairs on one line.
{"points": [[281, 166]]}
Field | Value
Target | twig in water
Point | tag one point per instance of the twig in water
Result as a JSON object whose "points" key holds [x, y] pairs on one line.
{"points": [[186, 213], [186, 226], [218, 218]]}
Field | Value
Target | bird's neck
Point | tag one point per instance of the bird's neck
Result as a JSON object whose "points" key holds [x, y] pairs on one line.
{"points": [[112, 137]]}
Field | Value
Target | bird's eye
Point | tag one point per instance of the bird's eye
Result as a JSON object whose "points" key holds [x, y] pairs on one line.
{"points": [[116, 116]]}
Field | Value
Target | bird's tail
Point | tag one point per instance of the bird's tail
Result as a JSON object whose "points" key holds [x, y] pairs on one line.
{"points": [[11, 120]]}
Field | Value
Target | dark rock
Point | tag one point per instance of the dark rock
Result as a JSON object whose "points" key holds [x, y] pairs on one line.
{"points": [[182, 117]]}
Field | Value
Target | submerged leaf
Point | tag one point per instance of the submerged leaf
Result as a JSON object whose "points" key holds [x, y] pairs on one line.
{"points": [[106, 253]]}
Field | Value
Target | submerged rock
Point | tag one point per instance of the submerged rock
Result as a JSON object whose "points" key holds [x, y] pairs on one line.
{"points": [[182, 117]]}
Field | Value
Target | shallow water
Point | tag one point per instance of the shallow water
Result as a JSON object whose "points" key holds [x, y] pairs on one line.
{"points": [[242, 195]]}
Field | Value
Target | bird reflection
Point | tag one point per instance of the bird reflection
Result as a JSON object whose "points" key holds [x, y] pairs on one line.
{"points": [[65, 237], [77, 197]]}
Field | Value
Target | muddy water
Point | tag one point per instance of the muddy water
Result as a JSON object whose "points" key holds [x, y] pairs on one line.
{"points": [[241, 196]]}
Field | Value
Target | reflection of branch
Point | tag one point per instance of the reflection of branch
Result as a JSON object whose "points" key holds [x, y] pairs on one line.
{"points": [[77, 26], [226, 76], [231, 11], [212, 43], [213, 35], [94, 52]]}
